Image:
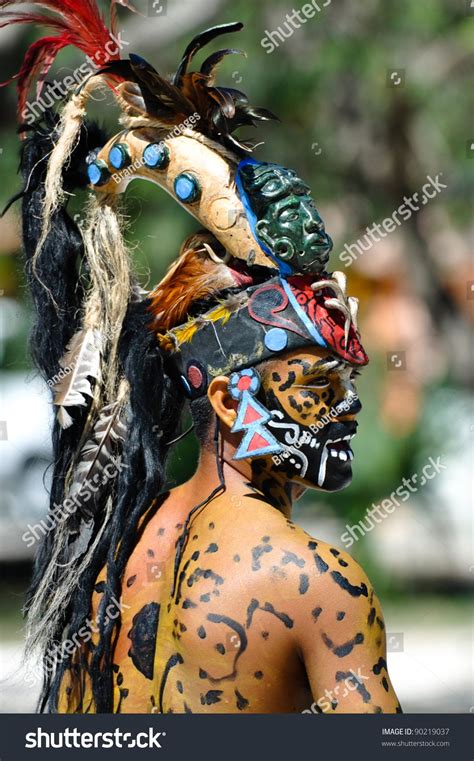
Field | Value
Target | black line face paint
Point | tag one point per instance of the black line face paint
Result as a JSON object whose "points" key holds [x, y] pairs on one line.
{"points": [[317, 451]]}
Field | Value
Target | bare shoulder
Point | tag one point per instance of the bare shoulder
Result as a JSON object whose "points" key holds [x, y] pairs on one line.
{"points": [[317, 581], [273, 556]]}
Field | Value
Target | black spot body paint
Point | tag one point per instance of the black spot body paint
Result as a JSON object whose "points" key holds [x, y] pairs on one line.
{"points": [[321, 564], [381, 664], [258, 675], [220, 648], [131, 580], [340, 615], [242, 703], [345, 584], [212, 548], [290, 557], [143, 638], [351, 677], [187, 603], [304, 583], [257, 553], [316, 612], [211, 697], [344, 649], [100, 586], [173, 660], [283, 617], [371, 617], [201, 632], [251, 608], [123, 694], [216, 618]]}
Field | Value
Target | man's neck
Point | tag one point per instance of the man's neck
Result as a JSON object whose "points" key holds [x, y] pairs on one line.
{"points": [[242, 476]]}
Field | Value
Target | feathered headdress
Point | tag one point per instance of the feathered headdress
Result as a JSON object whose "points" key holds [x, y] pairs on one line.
{"points": [[112, 354]]}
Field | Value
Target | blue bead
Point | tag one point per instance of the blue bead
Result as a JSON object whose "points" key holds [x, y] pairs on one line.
{"points": [[276, 339], [97, 173], [118, 156], [187, 187], [156, 156]]}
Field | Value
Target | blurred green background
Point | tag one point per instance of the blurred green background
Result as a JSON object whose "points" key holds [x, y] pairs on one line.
{"points": [[373, 97]]}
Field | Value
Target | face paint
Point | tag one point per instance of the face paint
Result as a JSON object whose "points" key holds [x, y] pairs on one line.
{"points": [[306, 399]]}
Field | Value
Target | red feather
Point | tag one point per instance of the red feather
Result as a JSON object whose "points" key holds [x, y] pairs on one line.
{"points": [[77, 22]]}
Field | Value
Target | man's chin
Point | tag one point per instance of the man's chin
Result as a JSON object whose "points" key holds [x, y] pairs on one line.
{"points": [[337, 477]]}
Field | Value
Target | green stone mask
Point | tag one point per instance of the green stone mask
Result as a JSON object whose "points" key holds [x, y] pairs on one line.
{"points": [[285, 220]]}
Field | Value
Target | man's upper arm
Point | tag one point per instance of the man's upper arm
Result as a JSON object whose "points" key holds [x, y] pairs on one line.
{"points": [[341, 636]]}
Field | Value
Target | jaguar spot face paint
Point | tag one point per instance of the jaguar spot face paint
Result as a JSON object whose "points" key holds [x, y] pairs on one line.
{"points": [[313, 401]]}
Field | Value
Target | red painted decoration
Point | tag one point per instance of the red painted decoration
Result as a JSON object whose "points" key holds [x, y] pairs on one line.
{"points": [[257, 442], [195, 376], [251, 415], [244, 383]]}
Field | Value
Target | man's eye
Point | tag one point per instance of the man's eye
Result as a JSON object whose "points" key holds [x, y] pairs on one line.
{"points": [[317, 383]]}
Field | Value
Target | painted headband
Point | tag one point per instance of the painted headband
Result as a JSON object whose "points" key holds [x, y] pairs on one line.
{"points": [[263, 322]]}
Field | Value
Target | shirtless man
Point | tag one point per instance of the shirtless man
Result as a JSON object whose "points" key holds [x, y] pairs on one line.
{"points": [[260, 617], [225, 605]]}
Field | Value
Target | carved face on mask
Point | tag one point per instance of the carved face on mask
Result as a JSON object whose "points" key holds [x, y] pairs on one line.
{"points": [[313, 402], [284, 217]]}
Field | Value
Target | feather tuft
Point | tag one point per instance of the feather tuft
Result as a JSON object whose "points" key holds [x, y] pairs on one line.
{"points": [[80, 363]]}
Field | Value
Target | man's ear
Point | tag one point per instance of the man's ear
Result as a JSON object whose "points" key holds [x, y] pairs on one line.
{"points": [[222, 403]]}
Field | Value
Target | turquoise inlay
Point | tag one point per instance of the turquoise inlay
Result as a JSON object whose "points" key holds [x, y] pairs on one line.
{"points": [[187, 187]]}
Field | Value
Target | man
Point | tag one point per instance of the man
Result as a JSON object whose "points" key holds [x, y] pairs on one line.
{"points": [[250, 613], [206, 598]]}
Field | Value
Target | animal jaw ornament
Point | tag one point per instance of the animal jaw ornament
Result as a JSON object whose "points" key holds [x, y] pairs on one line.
{"points": [[250, 285]]}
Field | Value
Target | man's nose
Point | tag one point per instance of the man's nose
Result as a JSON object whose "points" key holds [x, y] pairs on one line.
{"points": [[349, 406]]}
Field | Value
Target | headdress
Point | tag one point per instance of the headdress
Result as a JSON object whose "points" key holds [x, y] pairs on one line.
{"points": [[248, 286]]}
